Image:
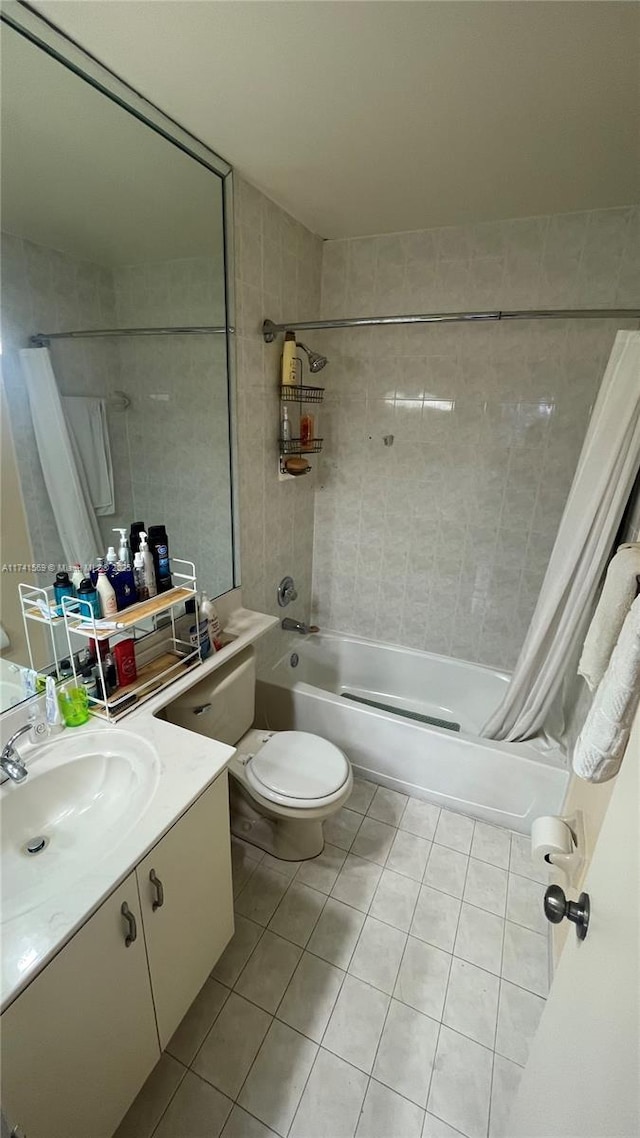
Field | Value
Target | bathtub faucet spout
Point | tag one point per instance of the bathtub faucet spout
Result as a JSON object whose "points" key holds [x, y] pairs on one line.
{"points": [[290, 625]]}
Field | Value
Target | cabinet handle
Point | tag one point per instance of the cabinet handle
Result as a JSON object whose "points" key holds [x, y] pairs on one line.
{"points": [[159, 888], [131, 923]]}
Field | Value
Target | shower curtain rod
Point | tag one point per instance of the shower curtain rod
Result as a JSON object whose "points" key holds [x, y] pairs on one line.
{"points": [[41, 339], [270, 329]]}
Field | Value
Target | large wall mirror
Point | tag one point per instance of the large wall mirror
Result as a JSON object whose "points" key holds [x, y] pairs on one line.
{"points": [[109, 229]]}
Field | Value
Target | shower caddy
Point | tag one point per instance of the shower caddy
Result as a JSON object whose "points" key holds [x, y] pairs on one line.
{"points": [[299, 394]]}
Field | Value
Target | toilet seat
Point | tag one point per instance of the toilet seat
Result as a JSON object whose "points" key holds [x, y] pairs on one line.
{"points": [[295, 768]]}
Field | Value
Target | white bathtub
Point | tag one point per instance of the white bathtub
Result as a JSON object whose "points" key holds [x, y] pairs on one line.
{"points": [[508, 784]]}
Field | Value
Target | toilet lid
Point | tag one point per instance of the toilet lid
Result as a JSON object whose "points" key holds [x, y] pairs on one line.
{"points": [[296, 764]]}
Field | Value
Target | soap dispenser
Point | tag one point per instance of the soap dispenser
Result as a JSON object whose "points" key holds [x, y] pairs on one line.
{"points": [[124, 552]]}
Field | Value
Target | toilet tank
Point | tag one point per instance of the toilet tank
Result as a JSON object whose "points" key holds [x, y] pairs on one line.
{"points": [[221, 707]]}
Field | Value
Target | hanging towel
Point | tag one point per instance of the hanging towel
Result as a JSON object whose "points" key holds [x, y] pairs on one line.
{"points": [[65, 482], [87, 421], [603, 739], [616, 598]]}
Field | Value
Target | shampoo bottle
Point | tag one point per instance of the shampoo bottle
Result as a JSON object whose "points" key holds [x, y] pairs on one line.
{"points": [[124, 584], [106, 594], [142, 591], [77, 576], [149, 569], [285, 426], [208, 610], [159, 546], [289, 361]]}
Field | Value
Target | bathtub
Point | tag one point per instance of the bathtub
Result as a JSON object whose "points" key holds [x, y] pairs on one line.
{"points": [[317, 685]]}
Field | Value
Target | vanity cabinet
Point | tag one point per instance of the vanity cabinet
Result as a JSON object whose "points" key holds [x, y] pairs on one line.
{"points": [[81, 1039], [79, 1042], [187, 905]]}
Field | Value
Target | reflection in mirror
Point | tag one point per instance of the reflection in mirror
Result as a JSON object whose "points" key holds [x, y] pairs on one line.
{"points": [[106, 227]]}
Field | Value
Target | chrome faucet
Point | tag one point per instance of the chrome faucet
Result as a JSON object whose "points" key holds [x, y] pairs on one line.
{"points": [[290, 625], [10, 761]]}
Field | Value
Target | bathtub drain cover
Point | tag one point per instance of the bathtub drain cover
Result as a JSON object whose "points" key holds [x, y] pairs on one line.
{"points": [[294, 660]]}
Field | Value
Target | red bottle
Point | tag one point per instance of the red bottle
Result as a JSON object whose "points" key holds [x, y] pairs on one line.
{"points": [[125, 658]]}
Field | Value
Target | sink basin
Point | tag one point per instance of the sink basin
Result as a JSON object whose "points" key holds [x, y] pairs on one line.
{"points": [[82, 797]]}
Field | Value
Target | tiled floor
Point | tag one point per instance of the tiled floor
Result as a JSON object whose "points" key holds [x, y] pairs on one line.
{"points": [[387, 989]]}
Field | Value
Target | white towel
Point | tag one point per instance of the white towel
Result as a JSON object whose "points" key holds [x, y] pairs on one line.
{"points": [[601, 743], [618, 591], [87, 422]]}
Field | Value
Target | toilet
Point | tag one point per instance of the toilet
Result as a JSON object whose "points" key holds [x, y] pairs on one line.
{"points": [[283, 783]]}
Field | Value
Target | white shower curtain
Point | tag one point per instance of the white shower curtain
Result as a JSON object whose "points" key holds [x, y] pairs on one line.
{"points": [[66, 486], [606, 470]]}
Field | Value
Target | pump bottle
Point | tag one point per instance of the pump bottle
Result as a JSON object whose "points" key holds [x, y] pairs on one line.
{"points": [[149, 568]]}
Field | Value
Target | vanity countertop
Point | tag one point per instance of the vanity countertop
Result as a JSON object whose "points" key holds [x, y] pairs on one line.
{"points": [[187, 764]]}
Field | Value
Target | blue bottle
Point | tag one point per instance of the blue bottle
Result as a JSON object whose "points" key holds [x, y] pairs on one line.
{"points": [[124, 584], [87, 592], [62, 587]]}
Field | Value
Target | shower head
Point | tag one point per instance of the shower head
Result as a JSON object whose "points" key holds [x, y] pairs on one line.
{"points": [[316, 361]]}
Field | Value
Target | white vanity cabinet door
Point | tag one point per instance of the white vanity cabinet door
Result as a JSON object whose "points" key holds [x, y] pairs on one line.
{"points": [[81, 1039], [187, 932]]}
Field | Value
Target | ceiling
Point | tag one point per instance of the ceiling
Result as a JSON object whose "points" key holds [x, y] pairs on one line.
{"points": [[83, 176], [363, 117]]}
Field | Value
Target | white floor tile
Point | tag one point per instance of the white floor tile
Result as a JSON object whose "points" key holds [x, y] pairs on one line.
{"points": [[518, 1018], [454, 831], [261, 895], [321, 872], [506, 1080], [310, 998], [374, 840], [388, 805], [267, 974], [479, 938], [405, 1056], [243, 1125], [242, 865], [436, 918], [522, 862], [356, 1023], [361, 795], [436, 1128], [331, 1101], [423, 976], [446, 870], [341, 828], [189, 1036], [525, 961], [461, 1085], [378, 953], [232, 1044], [486, 887], [297, 914], [288, 869], [336, 933], [197, 1108], [395, 899], [357, 882], [246, 849], [409, 855], [387, 1114], [472, 1002], [277, 1079], [420, 818], [238, 950], [147, 1109], [525, 899], [491, 844]]}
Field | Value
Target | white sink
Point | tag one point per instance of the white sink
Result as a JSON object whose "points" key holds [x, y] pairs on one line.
{"points": [[82, 796]]}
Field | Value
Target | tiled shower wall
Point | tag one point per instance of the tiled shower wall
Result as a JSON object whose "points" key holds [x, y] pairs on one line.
{"points": [[441, 540], [277, 271]]}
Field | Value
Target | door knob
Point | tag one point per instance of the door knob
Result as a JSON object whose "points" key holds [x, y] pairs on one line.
{"points": [[556, 907]]}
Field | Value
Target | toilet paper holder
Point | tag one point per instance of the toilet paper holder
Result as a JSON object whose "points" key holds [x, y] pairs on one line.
{"points": [[570, 862]]}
